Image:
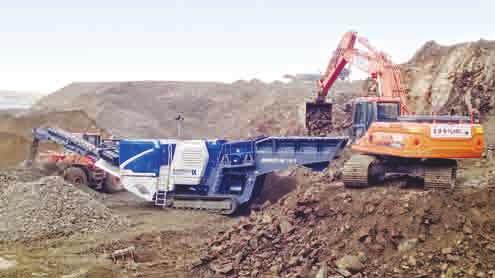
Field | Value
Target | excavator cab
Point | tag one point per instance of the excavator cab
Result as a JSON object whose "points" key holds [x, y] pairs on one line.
{"points": [[367, 110]]}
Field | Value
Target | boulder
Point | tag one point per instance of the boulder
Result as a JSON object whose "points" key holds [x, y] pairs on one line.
{"points": [[350, 263]]}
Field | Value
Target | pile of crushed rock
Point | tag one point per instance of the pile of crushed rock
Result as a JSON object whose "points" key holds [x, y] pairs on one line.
{"points": [[49, 207], [324, 230]]}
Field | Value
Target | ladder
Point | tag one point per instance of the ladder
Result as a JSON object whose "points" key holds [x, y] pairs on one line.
{"points": [[162, 189], [161, 198]]}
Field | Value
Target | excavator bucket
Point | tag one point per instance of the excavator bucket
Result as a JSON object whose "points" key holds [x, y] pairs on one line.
{"points": [[318, 118]]}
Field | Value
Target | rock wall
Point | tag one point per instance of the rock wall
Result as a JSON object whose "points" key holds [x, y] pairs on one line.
{"points": [[457, 79]]}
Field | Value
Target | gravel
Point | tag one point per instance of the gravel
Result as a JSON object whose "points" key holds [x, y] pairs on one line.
{"points": [[48, 208]]}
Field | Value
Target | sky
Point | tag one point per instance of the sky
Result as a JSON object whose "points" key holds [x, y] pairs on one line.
{"points": [[45, 45]]}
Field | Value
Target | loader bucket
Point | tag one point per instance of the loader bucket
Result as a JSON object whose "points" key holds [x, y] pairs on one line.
{"points": [[318, 118]]}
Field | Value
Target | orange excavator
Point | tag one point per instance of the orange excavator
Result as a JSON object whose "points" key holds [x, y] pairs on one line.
{"points": [[389, 142]]}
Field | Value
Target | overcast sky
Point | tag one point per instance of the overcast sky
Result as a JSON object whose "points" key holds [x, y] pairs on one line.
{"points": [[47, 44]]}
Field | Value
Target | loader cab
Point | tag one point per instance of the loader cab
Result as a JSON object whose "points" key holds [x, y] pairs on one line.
{"points": [[367, 110], [93, 138]]}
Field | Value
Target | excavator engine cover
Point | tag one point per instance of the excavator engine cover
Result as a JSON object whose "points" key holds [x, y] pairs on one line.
{"points": [[318, 118]]}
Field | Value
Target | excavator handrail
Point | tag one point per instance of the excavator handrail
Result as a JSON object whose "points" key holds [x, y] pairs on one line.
{"points": [[435, 118]]}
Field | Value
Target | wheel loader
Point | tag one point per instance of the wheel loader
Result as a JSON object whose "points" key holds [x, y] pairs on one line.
{"points": [[77, 163]]}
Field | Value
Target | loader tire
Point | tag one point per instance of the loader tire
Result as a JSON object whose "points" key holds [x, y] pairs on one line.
{"points": [[112, 184], [76, 176]]}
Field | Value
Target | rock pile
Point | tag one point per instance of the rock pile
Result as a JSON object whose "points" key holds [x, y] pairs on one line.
{"points": [[324, 230], [319, 119], [48, 208], [473, 85], [456, 79]]}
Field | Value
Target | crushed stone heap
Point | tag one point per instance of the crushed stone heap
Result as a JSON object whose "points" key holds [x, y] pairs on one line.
{"points": [[49, 207]]}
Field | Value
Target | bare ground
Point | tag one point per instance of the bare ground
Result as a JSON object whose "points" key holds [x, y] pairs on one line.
{"points": [[166, 242], [171, 243]]}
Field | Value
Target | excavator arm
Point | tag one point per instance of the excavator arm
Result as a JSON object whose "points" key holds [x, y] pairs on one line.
{"points": [[380, 68], [336, 65], [319, 112], [376, 63]]}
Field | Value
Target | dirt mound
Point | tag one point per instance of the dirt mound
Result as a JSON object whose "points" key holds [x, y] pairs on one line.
{"points": [[452, 79], [16, 136], [380, 232], [17, 99], [13, 149], [22, 125], [430, 51], [48, 208], [214, 110]]}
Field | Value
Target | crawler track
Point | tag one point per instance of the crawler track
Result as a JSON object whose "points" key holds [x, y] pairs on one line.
{"points": [[361, 170], [215, 205], [440, 177], [355, 173]]}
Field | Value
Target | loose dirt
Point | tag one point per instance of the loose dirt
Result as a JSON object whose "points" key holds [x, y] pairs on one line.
{"points": [[13, 149], [379, 232]]}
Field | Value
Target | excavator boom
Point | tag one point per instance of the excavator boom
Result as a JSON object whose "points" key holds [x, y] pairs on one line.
{"points": [[319, 112], [336, 64], [376, 63]]}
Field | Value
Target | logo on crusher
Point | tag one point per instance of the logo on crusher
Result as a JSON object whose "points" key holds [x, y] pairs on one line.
{"points": [[182, 172]]}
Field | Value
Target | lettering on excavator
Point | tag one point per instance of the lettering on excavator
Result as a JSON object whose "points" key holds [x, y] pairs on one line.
{"points": [[451, 131]]}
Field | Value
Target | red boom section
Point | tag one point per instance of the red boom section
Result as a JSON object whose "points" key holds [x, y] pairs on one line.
{"points": [[376, 63], [335, 65]]}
